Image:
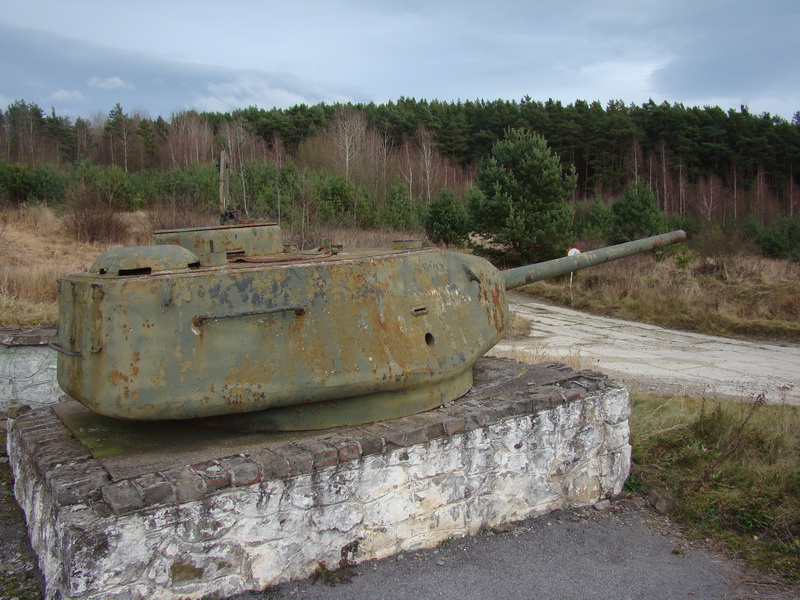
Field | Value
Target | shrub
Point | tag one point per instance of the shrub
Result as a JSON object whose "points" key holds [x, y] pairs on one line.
{"points": [[89, 218], [781, 239], [400, 211], [717, 241], [337, 202], [49, 183], [16, 183], [447, 220], [596, 224], [197, 183], [635, 215]]}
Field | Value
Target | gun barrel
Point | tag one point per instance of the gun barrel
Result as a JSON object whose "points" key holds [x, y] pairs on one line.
{"points": [[520, 276]]}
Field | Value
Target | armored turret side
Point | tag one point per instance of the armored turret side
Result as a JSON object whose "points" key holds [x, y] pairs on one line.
{"points": [[195, 341]]}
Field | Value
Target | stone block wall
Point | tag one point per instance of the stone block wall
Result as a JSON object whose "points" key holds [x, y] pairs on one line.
{"points": [[251, 520]]}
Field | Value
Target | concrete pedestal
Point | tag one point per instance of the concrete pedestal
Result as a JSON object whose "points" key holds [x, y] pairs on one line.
{"points": [[122, 510], [27, 369]]}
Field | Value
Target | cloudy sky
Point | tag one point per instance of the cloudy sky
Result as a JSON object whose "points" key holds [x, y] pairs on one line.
{"points": [[158, 57]]}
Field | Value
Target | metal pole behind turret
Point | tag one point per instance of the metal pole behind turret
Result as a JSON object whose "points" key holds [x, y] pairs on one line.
{"points": [[223, 182], [560, 266]]}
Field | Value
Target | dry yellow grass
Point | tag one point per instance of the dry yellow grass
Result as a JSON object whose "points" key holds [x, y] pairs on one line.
{"points": [[35, 283], [732, 295], [34, 254], [535, 354], [24, 314], [518, 328]]}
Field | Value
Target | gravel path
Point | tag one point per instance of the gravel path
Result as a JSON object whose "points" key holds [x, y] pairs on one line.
{"points": [[664, 361]]}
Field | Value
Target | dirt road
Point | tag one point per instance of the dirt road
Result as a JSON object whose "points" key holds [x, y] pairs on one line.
{"points": [[650, 358]]}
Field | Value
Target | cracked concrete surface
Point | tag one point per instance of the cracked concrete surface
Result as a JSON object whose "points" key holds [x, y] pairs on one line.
{"points": [[27, 376]]}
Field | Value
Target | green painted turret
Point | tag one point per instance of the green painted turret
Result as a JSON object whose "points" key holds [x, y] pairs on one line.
{"points": [[222, 325]]}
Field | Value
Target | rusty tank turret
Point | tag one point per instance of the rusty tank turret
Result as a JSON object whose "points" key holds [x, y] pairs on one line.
{"points": [[220, 324]]}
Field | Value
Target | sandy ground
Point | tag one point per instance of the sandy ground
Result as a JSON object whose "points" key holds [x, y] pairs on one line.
{"points": [[662, 361]]}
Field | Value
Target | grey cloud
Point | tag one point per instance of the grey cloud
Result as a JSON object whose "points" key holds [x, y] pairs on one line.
{"points": [[746, 51], [78, 78], [690, 51]]}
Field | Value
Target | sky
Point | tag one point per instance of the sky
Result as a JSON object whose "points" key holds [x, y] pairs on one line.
{"points": [[156, 58]]}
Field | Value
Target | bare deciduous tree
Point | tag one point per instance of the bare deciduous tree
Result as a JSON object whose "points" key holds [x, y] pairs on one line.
{"points": [[190, 139], [348, 130], [429, 161]]}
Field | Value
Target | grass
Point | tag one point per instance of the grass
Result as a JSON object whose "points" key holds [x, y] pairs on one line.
{"points": [[537, 354], [733, 470], [18, 313], [34, 253], [519, 327], [733, 295]]}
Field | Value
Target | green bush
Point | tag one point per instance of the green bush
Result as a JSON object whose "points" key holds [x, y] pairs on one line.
{"points": [[689, 224], [635, 214], [16, 183], [447, 220], [781, 239], [594, 223], [266, 189], [49, 183], [337, 202], [148, 188], [198, 183], [400, 211]]}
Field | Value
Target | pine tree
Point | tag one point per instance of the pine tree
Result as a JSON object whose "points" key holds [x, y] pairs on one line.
{"points": [[523, 200]]}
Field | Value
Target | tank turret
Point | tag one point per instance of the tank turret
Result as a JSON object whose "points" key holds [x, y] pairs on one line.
{"points": [[221, 325]]}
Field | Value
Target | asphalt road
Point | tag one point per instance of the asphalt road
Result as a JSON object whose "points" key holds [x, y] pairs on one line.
{"points": [[624, 552]]}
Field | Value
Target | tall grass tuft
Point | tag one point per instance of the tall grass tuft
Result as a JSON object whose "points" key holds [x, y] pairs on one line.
{"points": [[733, 469], [16, 312], [536, 354], [36, 284], [30, 217]]}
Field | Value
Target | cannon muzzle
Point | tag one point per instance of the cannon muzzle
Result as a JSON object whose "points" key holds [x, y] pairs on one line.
{"points": [[520, 276]]}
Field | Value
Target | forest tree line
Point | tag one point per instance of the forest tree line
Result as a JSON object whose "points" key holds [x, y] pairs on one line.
{"points": [[383, 165]]}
